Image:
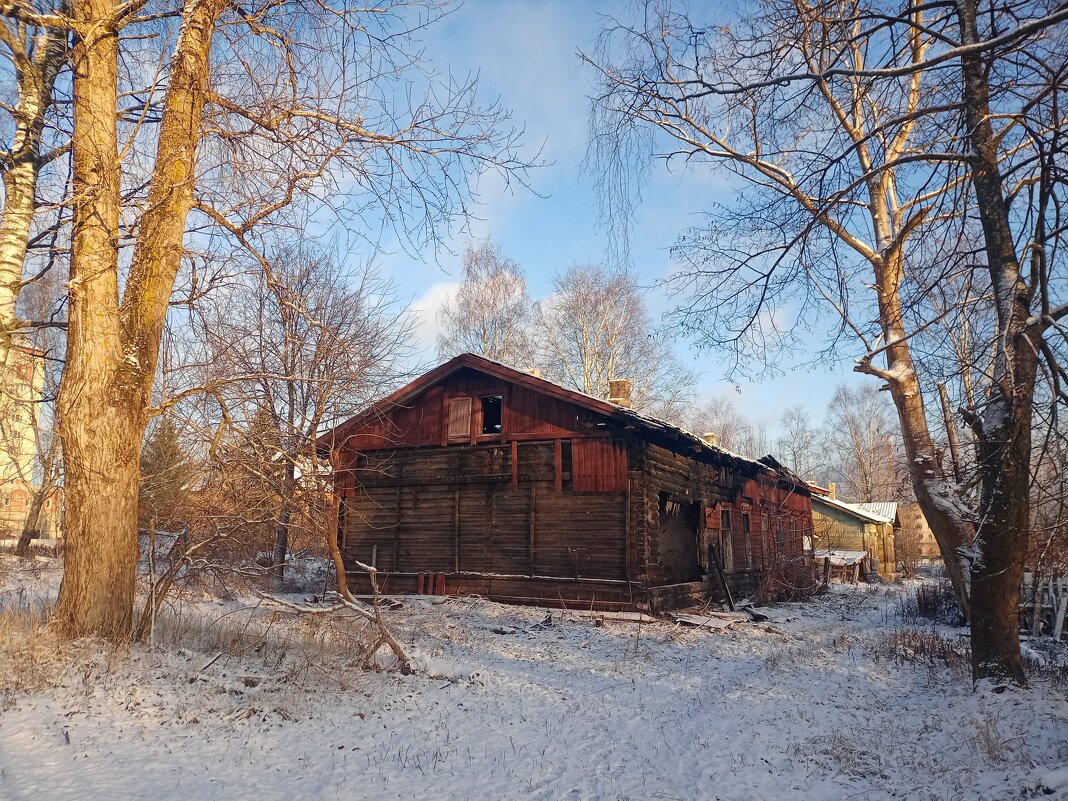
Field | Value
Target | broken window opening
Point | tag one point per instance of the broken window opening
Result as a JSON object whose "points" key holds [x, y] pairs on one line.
{"points": [[492, 414]]}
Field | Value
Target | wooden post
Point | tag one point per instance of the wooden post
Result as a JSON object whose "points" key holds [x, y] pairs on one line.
{"points": [[826, 572], [533, 521], [396, 525], [722, 577], [515, 465], [626, 532], [558, 465], [456, 529]]}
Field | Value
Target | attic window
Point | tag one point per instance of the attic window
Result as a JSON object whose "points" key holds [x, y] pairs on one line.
{"points": [[492, 411]]}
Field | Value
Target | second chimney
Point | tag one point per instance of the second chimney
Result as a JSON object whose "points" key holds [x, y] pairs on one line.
{"points": [[832, 490], [619, 392]]}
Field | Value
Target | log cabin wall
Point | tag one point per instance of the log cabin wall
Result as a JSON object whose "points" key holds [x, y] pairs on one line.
{"points": [[460, 511], [422, 421]]}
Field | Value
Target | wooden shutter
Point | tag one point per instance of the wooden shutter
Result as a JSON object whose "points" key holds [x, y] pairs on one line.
{"points": [[459, 423]]}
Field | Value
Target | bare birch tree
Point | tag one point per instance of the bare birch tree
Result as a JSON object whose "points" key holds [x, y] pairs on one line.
{"points": [[594, 328], [491, 310], [863, 441], [42, 301], [719, 416], [800, 445], [867, 134], [35, 55]]}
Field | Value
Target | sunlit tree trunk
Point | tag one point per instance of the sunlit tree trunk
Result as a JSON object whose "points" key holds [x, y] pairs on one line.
{"points": [[113, 349]]}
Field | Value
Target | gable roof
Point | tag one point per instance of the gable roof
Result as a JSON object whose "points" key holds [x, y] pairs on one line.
{"points": [[857, 510], [629, 417]]}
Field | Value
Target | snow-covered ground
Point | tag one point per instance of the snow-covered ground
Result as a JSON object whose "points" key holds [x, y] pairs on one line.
{"points": [[819, 703]]}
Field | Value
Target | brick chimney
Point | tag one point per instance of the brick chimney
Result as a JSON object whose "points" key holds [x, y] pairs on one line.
{"points": [[832, 490], [710, 438], [619, 392]]}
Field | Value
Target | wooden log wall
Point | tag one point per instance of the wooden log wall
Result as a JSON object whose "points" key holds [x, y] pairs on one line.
{"points": [[462, 510]]}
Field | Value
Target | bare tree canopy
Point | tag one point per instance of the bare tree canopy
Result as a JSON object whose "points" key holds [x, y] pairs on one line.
{"points": [[800, 445], [594, 328], [490, 313], [864, 444], [719, 416], [884, 151], [206, 127]]}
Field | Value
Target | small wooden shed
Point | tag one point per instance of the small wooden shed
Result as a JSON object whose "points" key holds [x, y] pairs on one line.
{"points": [[516, 488], [868, 529]]}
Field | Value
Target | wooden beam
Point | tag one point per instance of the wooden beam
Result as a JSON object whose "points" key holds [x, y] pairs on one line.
{"points": [[533, 521], [396, 529], [515, 465], [456, 530], [558, 465]]}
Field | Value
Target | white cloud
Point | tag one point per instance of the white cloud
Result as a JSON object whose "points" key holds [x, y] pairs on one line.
{"points": [[425, 311]]}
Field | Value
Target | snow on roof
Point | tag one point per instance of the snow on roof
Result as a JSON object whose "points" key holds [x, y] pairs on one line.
{"points": [[859, 510], [646, 422]]}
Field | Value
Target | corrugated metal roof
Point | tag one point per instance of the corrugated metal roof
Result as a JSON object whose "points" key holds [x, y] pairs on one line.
{"points": [[887, 509]]}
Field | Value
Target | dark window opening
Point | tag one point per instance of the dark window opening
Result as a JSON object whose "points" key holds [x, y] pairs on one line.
{"points": [[492, 411]]}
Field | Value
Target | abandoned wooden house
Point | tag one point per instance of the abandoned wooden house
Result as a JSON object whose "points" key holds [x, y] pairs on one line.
{"points": [[497, 482]]}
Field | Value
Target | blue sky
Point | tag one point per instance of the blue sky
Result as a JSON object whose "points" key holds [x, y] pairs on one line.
{"points": [[525, 55]]}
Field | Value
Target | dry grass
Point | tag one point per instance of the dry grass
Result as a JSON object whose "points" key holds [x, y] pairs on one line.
{"points": [[331, 646], [924, 647], [787, 581], [31, 658], [929, 603]]}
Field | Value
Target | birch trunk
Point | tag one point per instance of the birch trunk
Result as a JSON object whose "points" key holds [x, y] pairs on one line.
{"points": [[36, 74], [281, 533], [112, 351]]}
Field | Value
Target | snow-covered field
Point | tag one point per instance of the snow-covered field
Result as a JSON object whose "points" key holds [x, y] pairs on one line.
{"points": [[822, 702]]}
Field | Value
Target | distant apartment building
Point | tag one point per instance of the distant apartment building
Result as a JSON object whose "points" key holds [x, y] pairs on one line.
{"points": [[21, 392]]}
